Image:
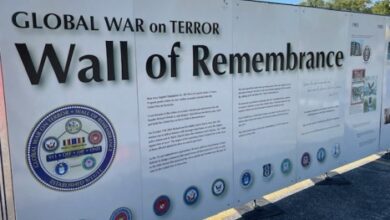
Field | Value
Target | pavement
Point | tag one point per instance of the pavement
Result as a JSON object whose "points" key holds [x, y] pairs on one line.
{"points": [[359, 190]]}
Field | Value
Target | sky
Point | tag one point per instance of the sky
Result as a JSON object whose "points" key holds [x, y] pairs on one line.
{"points": [[286, 1], [294, 2]]}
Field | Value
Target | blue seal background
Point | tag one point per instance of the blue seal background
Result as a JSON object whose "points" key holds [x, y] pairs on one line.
{"points": [[247, 174], [185, 194], [44, 124], [288, 171], [224, 187], [321, 152]]}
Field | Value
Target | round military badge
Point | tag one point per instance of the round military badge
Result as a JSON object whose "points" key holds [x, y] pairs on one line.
{"points": [[305, 160], [268, 171], [191, 195], [61, 168], [336, 150], [73, 126], [246, 179], [95, 137], [161, 205], [89, 163], [321, 155], [51, 144], [286, 166], [71, 147], [122, 213], [218, 187]]}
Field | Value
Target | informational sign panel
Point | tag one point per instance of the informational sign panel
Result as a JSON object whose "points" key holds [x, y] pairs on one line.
{"points": [[72, 123], [365, 65], [178, 109], [185, 113], [264, 107], [385, 119], [320, 131]]}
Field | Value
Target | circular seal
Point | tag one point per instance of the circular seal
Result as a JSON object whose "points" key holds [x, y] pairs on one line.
{"points": [[61, 168], [191, 195], [73, 126], [51, 144], [246, 179], [366, 53], [268, 171], [286, 166], [305, 160], [122, 213], [218, 187], [321, 155], [95, 137], [89, 163], [74, 163], [336, 150], [161, 205]]}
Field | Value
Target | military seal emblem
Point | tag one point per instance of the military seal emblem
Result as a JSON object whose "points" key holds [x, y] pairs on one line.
{"points": [[218, 187], [191, 195], [71, 147], [122, 213], [161, 205]]}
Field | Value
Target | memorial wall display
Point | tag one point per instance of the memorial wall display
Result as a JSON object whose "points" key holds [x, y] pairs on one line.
{"points": [[264, 104], [179, 109], [363, 98], [385, 118], [320, 131]]}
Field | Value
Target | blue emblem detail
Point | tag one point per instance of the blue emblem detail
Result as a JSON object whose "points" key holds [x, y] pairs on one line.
{"points": [[268, 171], [336, 150], [191, 195], [286, 166], [49, 167], [321, 155], [122, 213], [51, 144], [246, 179], [61, 168], [218, 187]]}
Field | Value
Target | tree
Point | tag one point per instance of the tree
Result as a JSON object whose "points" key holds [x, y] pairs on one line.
{"points": [[314, 3], [381, 7], [351, 5]]}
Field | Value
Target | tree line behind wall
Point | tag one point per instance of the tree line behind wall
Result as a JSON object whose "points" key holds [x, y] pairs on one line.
{"points": [[381, 7]]}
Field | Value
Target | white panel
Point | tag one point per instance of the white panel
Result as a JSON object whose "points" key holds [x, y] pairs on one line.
{"points": [[265, 102], [185, 121], [385, 119], [180, 136], [321, 91], [27, 104], [363, 86]]}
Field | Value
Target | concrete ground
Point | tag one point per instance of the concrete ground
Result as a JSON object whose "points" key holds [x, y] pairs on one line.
{"points": [[366, 197]]}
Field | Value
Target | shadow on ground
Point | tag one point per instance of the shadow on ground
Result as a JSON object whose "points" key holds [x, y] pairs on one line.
{"points": [[367, 197]]}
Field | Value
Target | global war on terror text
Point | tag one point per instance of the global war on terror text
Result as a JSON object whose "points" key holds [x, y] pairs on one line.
{"points": [[205, 60]]}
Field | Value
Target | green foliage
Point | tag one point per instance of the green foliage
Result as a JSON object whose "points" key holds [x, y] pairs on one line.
{"points": [[379, 7], [351, 5], [314, 3]]}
